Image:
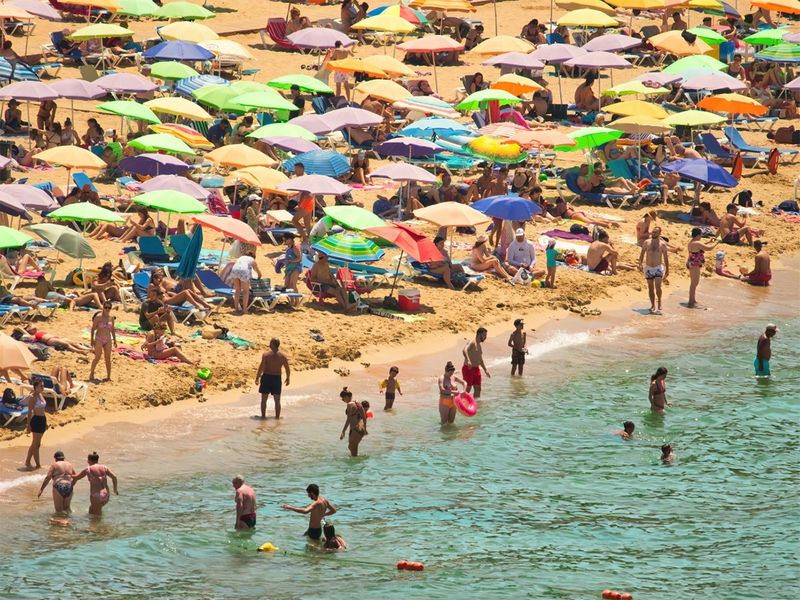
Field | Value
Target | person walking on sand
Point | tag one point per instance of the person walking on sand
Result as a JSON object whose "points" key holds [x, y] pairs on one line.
{"points": [[37, 422], [764, 351], [390, 387], [61, 474], [316, 511], [103, 338], [355, 421], [245, 504], [98, 476], [518, 342], [473, 363], [448, 389], [697, 258], [268, 376], [658, 390], [655, 255]]}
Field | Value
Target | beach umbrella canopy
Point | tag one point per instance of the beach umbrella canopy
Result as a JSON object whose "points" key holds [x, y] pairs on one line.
{"points": [[187, 31], [171, 70], [402, 171], [612, 42], [264, 178], [129, 109], [306, 83], [109, 5], [219, 97], [383, 89], [320, 38], [72, 157], [480, 99], [77, 89], [428, 105], [410, 241], [694, 62], [503, 129], [792, 38], [180, 107], [516, 84], [785, 6], [713, 81], [635, 87], [709, 36], [239, 156], [227, 49], [701, 171], [432, 43], [515, 60], [543, 137], [557, 53], [315, 184], [640, 124], [161, 142], [569, 5], [357, 65], [178, 50], [290, 144], [411, 15], [496, 149], [384, 22], [14, 354], [28, 90], [320, 162], [136, 8], [349, 247], [185, 11], [153, 165], [389, 65], [674, 43], [171, 201], [11, 206], [38, 9], [502, 44], [636, 107], [229, 227], [187, 267], [793, 85], [661, 79], [451, 214], [189, 85], [435, 126], [507, 207], [175, 183], [64, 239], [351, 117], [129, 83], [587, 17], [444, 5], [693, 118], [313, 123], [599, 60], [265, 100], [191, 136], [407, 147], [354, 217], [12, 238], [29, 196], [781, 53], [99, 31], [282, 130], [590, 137], [85, 212], [640, 4], [732, 104]]}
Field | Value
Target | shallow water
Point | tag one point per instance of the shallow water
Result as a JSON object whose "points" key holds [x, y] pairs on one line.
{"points": [[533, 497]]}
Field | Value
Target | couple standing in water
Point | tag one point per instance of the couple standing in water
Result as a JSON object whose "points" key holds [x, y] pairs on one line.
{"points": [[64, 478], [470, 371]]}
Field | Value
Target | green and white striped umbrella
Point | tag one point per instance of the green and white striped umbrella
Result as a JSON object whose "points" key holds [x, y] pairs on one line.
{"points": [[349, 247], [782, 53]]}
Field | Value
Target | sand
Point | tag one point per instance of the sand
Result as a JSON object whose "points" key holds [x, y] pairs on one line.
{"points": [[351, 342]]}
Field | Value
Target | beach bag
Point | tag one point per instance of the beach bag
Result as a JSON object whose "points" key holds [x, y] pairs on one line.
{"points": [[789, 206], [744, 198], [522, 277], [784, 135], [9, 397]]}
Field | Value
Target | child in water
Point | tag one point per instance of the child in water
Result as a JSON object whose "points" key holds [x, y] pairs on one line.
{"points": [[518, 342], [391, 386], [333, 541], [667, 456]]}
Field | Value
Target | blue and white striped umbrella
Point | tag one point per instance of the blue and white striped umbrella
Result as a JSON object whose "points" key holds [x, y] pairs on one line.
{"points": [[188, 85], [18, 72], [320, 162]]}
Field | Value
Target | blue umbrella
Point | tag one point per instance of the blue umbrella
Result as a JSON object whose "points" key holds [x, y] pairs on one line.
{"points": [[320, 162], [432, 127], [175, 50], [701, 171], [19, 71], [507, 207], [190, 84], [187, 268]]}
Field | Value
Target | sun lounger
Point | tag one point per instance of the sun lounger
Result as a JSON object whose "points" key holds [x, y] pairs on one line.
{"points": [[459, 280], [52, 389], [597, 199], [214, 282], [276, 30], [13, 311], [262, 293], [11, 412], [378, 273], [8, 272], [152, 252], [183, 312], [738, 142], [716, 150]]}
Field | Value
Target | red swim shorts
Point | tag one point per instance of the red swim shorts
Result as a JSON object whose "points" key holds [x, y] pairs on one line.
{"points": [[471, 375]]}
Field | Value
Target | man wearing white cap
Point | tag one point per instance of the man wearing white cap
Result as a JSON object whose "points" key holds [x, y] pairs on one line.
{"points": [[764, 351], [522, 255]]}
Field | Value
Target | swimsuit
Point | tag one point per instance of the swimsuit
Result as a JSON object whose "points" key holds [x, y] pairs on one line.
{"points": [[314, 533], [759, 278], [270, 384], [696, 259], [63, 488], [38, 424], [292, 264], [656, 272], [598, 189], [602, 266], [732, 238], [39, 335], [517, 358], [471, 375], [105, 325], [249, 520], [761, 367], [242, 268]]}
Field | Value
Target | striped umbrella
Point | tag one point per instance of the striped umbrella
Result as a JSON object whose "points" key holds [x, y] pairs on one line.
{"points": [[349, 247], [320, 162], [781, 53], [412, 15], [429, 105], [191, 84], [19, 71]]}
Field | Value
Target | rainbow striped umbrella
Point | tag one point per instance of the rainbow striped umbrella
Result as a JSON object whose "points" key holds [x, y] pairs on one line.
{"points": [[349, 247], [412, 15]]}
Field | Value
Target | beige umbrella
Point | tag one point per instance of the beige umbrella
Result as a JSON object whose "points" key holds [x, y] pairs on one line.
{"points": [[14, 354]]}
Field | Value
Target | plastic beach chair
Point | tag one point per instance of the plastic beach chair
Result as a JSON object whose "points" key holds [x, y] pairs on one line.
{"points": [[52, 389], [152, 252], [738, 142], [459, 280], [276, 30], [183, 312]]}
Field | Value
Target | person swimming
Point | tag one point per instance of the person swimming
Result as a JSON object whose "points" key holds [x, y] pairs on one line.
{"points": [[667, 455], [626, 432], [332, 541]]}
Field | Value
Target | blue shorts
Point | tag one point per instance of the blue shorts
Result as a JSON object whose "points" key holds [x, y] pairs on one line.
{"points": [[761, 367]]}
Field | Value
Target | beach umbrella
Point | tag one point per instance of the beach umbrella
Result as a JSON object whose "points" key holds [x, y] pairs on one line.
{"points": [[389, 65], [428, 105], [781, 53], [136, 8], [19, 71], [230, 228], [635, 87], [661, 79], [11, 206], [693, 118], [305, 83], [431, 44], [689, 63], [35, 91], [319, 38], [129, 109], [791, 7], [407, 147], [792, 38], [312, 123], [383, 89], [184, 11], [480, 99], [599, 60], [502, 44], [152, 165], [187, 31], [171, 70], [444, 5], [109, 5], [71, 157], [569, 5], [709, 36], [187, 267], [320, 162], [357, 65], [556, 54], [503, 129], [38, 9], [387, 23], [269, 101], [354, 217], [29, 196], [507, 207], [227, 49], [171, 201], [713, 81], [64, 239], [15, 354], [11, 238], [701, 171], [219, 97], [732, 104], [179, 107], [516, 84], [543, 137], [128, 83], [351, 117], [191, 136], [793, 85], [188, 86], [674, 43], [178, 50], [175, 183], [410, 241], [587, 17], [590, 137], [100, 31], [640, 4], [85, 212], [639, 124], [411, 15], [290, 144], [161, 142], [282, 130], [349, 247], [515, 60], [239, 156], [315, 184], [264, 178], [77, 89], [496, 149], [636, 107], [612, 42], [451, 214], [434, 127], [402, 171]]}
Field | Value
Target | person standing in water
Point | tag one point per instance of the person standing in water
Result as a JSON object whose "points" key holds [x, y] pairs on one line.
{"points": [[655, 256], [518, 342], [658, 390], [448, 389], [473, 363], [61, 474], [245, 504], [333, 541], [390, 386], [355, 421], [764, 351], [37, 422], [316, 511], [98, 476], [268, 376], [697, 258]]}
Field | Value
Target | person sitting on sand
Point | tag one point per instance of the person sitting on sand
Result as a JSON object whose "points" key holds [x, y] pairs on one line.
{"points": [[602, 257], [721, 267], [154, 312], [320, 274], [705, 215], [563, 210], [482, 260], [30, 334], [732, 228], [444, 267], [156, 346], [521, 254], [332, 541], [627, 430], [762, 273], [105, 285], [585, 100]]}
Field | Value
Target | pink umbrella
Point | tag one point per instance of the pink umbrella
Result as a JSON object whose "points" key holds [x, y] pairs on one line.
{"points": [[319, 185], [12, 206], [431, 44], [128, 83], [28, 90], [556, 53], [713, 82], [515, 60], [612, 42], [658, 78], [77, 89], [320, 38], [40, 9], [176, 183], [314, 123], [29, 196], [792, 38], [351, 117], [793, 85], [232, 228], [599, 60]]}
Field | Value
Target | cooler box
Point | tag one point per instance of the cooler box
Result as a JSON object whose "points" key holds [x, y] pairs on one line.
{"points": [[408, 300]]}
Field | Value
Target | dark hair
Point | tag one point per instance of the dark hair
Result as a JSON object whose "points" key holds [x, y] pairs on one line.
{"points": [[275, 342], [365, 404], [730, 207], [93, 457], [629, 424], [36, 381], [590, 78], [345, 393], [393, 369], [449, 366], [59, 455], [481, 330], [313, 488], [328, 530], [666, 448], [757, 244], [696, 232], [659, 372]]}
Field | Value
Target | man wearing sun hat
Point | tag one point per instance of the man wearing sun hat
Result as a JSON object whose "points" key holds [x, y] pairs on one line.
{"points": [[764, 351]]}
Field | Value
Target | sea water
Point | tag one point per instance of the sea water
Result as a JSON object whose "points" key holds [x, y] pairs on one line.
{"points": [[534, 497]]}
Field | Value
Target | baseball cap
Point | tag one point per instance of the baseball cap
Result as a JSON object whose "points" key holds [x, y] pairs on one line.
{"points": [[519, 231]]}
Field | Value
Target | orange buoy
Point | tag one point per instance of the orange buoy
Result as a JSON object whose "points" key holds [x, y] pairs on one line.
{"points": [[625, 596], [407, 565], [402, 565], [606, 594]]}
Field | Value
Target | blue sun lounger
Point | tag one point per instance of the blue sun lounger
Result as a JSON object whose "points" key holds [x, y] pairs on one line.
{"points": [[152, 252], [12, 412], [597, 199], [183, 312], [738, 142], [459, 280]]}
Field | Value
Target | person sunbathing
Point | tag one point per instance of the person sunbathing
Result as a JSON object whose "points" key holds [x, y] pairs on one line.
{"points": [[30, 334], [176, 296], [145, 226], [564, 210], [598, 183], [156, 346], [45, 290], [321, 275], [104, 284], [482, 260]]}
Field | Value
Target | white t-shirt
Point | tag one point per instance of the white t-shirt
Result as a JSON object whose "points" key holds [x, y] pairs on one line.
{"points": [[521, 254]]}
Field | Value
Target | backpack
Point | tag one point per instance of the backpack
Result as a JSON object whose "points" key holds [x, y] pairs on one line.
{"points": [[9, 397], [581, 229], [743, 198]]}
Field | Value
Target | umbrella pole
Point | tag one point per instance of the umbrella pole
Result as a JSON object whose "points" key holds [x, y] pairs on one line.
{"points": [[435, 78], [494, 3], [30, 125], [396, 273], [221, 253]]}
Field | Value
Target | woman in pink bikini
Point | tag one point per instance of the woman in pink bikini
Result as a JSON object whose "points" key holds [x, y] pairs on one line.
{"points": [[658, 390], [103, 338], [98, 476]]}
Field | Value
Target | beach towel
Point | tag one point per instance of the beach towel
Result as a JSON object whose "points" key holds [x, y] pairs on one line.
{"points": [[234, 340], [137, 355], [122, 338], [128, 327], [568, 235], [396, 314]]}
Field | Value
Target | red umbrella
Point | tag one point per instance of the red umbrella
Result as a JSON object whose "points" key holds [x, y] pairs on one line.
{"points": [[409, 240], [230, 227]]}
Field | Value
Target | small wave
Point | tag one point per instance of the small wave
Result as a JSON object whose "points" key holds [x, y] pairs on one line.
{"points": [[558, 341], [12, 483]]}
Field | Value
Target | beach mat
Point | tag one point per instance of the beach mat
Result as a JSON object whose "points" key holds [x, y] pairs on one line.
{"points": [[396, 314], [232, 339]]}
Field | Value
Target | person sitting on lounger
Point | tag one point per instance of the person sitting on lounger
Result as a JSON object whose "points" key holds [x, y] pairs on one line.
{"points": [[156, 346], [732, 229], [602, 257], [482, 259], [564, 210], [597, 183], [45, 290], [145, 225], [30, 334], [445, 267], [154, 312], [321, 275], [174, 295]]}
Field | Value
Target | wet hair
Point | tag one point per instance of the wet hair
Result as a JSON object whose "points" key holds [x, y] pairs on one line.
{"points": [[731, 207], [59, 455], [659, 372], [666, 448], [365, 405], [93, 458], [629, 425], [275, 343], [313, 488], [328, 531], [481, 330], [449, 366], [394, 370], [345, 393]]}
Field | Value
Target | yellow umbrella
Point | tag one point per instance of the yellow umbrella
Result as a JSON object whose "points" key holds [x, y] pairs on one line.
{"points": [[639, 4], [640, 124], [500, 44], [785, 6], [356, 65], [187, 31], [383, 89], [109, 5], [632, 108], [384, 22], [634, 87], [227, 49], [445, 5], [579, 4], [239, 156], [99, 31], [264, 178], [516, 84], [587, 17], [674, 43], [732, 104], [704, 4], [389, 65], [180, 107]]}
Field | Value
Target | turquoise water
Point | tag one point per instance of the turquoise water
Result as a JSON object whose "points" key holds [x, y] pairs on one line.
{"points": [[534, 497]]}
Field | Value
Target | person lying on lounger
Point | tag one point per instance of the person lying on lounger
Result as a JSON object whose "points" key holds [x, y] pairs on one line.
{"points": [[598, 183], [445, 267], [30, 334], [564, 210]]}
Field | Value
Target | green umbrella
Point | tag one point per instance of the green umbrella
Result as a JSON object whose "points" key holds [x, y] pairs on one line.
{"points": [[11, 238], [170, 201], [349, 247], [786, 53], [100, 30], [271, 100], [694, 118], [480, 99], [282, 130], [130, 109], [136, 8], [244, 87], [766, 37], [698, 61], [85, 211], [590, 137], [306, 83], [171, 70], [709, 36], [634, 87], [354, 217], [219, 97], [161, 142], [63, 239], [184, 11]]}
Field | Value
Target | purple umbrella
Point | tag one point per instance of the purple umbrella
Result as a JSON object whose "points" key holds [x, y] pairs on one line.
{"points": [[793, 85], [612, 42], [320, 38], [290, 144], [792, 38], [12, 206], [599, 60], [176, 183], [515, 60], [714, 82], [557, 53], [177, 50], [77, 89], [659, 78], [128, 83], [153, 165], [29, 196], [407, 147], [319, 185], [351, 117], [314, 123], [28, 90], [402, 171], [40, 9]]}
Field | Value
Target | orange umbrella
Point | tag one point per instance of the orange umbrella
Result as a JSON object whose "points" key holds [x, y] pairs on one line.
{"points": [[232, 228], [239, 156], [784, 6], [264, 178], [544, 137], [673, 42], [732, 104], [516, 84], [14, 354], [451, 214], [356, 65], [109, 5]]}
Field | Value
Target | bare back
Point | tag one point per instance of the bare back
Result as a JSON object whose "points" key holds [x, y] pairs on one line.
{"points": [[246, 499], [272, 362], [98, 478]]}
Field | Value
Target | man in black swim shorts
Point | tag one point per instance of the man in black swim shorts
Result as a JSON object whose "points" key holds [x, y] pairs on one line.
{"points": [[316, 511], [268, 376]]}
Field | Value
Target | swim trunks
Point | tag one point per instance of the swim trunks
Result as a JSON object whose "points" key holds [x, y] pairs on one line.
{"points": [[761, 366], [249, 520], [517, 358], [270, 384], [598, 189], [38, 424], [758, 278], [64, 489], [732, 238], [314, 533], [654, 272], [601, 267], [471, 375], [389, 396]]}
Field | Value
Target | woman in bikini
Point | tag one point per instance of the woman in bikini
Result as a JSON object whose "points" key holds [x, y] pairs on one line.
{"points": [[104, 285], [103, 338], [482, 260], [695, 262], [448, 389], [355, 421], [658, 390], [98, 476], [155, 346], [174, 295], [37, 423], [145, 226], [29, 334]]}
